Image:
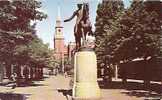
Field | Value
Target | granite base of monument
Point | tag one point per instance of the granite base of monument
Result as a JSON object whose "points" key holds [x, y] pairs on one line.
{"points": [[85, 76]]}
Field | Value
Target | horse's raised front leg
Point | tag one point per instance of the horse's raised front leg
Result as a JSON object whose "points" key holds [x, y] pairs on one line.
{"points": [[83, 37], [78, 42]]}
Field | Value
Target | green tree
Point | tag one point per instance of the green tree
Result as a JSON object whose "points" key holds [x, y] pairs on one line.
{"points": [[18, 14], [138, 32], [35, 54], [137, 35], [107, 13], [131, 34], [16, 28]]}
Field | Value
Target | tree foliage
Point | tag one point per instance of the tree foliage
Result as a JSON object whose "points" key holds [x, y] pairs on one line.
{"points": [[36, 54], [18, 40], [134, 34], [107, 14], [18, 14], [138, 32]]}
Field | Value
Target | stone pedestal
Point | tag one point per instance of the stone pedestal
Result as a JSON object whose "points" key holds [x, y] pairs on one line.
{"points": [[85, 76]]}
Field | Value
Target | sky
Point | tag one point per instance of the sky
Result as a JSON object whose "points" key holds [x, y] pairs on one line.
{"points": [[46, 28]]}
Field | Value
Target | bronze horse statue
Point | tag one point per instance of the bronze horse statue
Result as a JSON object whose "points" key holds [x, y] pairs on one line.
{"points": [[83, 25]]}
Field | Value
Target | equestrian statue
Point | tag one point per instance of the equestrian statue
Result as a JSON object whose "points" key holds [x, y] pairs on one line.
{"points": [[83, 25]]}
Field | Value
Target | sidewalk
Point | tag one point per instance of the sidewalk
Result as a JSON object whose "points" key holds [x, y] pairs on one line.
{"points": [[133, 90], [43, 90], [51, 89]]}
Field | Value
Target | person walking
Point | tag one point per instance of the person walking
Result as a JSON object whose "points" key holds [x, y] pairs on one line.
{"points": [[14, 77]]}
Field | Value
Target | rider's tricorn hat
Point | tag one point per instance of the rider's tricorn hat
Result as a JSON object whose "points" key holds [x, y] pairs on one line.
{"points": [[79, 4]]}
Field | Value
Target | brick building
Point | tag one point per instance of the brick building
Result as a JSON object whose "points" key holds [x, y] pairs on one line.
{"points": [[62, 51]]}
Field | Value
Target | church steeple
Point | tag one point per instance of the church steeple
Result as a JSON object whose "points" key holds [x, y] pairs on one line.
{"points": [[58, 13], [59, 38], [59, 27]]}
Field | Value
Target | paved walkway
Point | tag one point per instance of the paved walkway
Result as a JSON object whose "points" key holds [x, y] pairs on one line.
{"points": [[48, 90], [43, 90]]}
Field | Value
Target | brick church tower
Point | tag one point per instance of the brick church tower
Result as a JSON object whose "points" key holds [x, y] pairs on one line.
{"points": [[59, 45]]}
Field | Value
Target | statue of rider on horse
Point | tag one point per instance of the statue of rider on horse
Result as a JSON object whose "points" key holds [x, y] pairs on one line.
{"points": [[83, 25]]}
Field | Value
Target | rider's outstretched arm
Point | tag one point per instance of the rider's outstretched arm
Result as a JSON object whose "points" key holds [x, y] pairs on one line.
{"points": [[74, 14]]}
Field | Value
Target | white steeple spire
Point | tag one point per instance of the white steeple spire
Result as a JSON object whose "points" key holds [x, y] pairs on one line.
{"points": [[58, 18], [58, 27], [58, 13]]}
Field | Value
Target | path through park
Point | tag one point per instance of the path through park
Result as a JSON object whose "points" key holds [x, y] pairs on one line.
{"points": [[52, 88]]}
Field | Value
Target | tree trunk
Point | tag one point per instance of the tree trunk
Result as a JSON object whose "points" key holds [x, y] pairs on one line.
{"points": [[31, 73], [124, 73], [1, 72], [36, 73], [41, 72], [8, 71], [116, 72], [124, 80], [18, 71], [146, 74]]}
